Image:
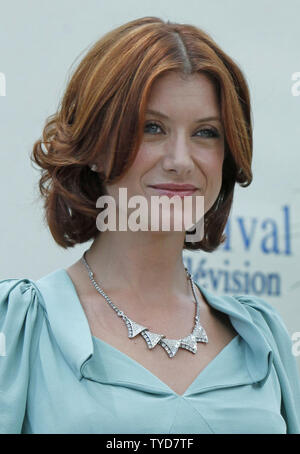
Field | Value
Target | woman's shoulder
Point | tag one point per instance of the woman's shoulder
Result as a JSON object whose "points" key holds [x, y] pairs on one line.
{"points": [[252, 309], [22, 306], [21, 314], [269, 320], [255, 315], [19, 293], [271, 323], [26, 291], [257, 302], [264, 310], [25, 294], [24, 311]]}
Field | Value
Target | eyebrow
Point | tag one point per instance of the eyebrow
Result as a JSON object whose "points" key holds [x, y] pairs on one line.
{"points": [[160, 114]]}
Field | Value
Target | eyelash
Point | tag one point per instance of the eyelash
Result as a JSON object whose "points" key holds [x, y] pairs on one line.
{"points": [[213, 131]]}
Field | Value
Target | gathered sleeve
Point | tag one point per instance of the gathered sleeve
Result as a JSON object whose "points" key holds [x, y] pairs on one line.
{"points": [[285, 362], [21, 318]]}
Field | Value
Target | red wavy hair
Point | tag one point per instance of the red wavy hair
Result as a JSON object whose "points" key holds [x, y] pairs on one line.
{"points": [[101, 119]]}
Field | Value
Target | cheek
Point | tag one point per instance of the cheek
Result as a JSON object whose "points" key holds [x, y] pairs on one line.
{"points": [[143, 163], [217, 176], [217, 169], [217, 161], [143, 158], [212, 165], [213, 168]]}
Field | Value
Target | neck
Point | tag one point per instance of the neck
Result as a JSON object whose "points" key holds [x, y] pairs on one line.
{"points": [[148, 268]]}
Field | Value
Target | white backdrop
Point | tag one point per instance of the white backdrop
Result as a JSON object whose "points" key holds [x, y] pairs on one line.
{"points": [[41, 40]]}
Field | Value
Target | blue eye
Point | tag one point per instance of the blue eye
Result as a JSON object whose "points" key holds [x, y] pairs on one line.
{"points": [[152, 129], [208, 133]]}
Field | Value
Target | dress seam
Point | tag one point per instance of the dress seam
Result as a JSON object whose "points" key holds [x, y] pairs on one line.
{"points": [[178, 403], [201, 416]]}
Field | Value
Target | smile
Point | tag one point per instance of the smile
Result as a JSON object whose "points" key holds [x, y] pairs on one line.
{"points": [[172, 192]]}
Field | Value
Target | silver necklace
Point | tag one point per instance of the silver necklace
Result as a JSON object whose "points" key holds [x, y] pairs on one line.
{"points": [[152, 339]]}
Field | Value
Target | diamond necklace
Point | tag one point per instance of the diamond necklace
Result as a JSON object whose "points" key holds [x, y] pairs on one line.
{"points": [[152, 339]]}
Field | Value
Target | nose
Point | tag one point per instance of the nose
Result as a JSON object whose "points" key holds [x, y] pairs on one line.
{"points": [[177, 157]]}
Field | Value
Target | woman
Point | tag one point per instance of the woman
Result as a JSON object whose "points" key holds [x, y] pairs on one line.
{"points": [[111, 344]]}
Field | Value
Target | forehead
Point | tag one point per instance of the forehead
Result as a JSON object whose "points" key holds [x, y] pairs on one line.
{"points": [[175, 90]]}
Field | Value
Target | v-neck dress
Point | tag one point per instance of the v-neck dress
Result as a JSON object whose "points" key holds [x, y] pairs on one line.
{"points": [[56, 377]]}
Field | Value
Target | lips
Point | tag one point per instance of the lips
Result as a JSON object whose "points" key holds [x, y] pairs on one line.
{"points": [[174, 187]]}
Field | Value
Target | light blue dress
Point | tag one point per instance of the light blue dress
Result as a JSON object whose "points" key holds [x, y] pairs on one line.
{"points": [[58, 378]]}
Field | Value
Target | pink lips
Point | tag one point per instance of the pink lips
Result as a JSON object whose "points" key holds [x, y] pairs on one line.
{"points": [[171, 189], [174, 186]]}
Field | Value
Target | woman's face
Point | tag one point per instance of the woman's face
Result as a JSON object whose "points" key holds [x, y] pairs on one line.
{"points": [[183, 140]]}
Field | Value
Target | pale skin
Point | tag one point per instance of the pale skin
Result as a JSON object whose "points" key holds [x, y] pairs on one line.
{"points": [[143, 272]]}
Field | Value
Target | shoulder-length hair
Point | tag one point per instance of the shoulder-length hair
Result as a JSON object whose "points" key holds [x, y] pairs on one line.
{"points": [[101, 119]]}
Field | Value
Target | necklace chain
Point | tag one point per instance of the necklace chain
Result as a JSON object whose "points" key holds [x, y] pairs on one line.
{"points": [[152, 339]]}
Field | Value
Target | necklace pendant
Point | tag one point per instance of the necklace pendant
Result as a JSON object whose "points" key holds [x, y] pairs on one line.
{"points": [[152, 339], [170, 345], [133, 327], [200, 334], [189, 343]]}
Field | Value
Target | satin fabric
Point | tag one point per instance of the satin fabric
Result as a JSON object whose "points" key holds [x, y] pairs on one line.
{"points": [[57, 377]]}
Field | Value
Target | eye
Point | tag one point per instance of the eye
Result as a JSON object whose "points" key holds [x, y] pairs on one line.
{"points": [[208, 133], [151, 127]]}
